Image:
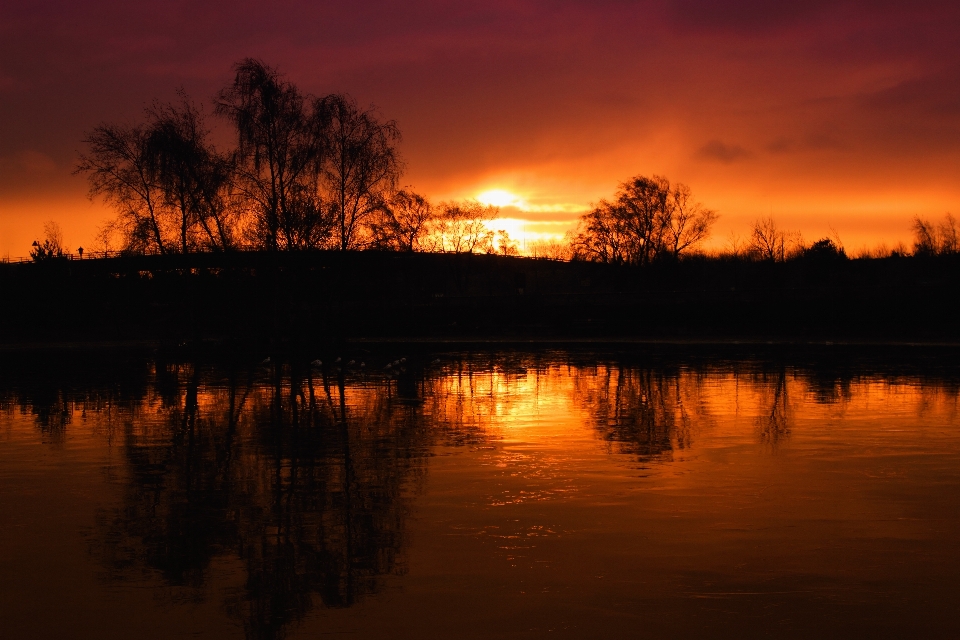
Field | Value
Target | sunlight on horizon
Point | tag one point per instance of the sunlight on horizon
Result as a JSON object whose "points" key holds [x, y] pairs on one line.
{"points": [[500, 198]]}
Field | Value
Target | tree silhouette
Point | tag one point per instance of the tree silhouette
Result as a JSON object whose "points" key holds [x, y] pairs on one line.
{"points": [[52, 244], [403, 223], [193, 178], [767, 240], [359, 167], [119, 168], [649, 219], [168, 183], [462, 227], [935, 239], [277, 155]]}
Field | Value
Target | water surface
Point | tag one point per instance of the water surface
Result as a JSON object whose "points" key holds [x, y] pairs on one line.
{"points": [[477, 495]]}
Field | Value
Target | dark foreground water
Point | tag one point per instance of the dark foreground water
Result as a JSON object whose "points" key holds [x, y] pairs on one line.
{"points": [[493, 495]]}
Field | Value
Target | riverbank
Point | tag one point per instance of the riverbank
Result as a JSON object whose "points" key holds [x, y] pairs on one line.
{"points": [[313, 297]]}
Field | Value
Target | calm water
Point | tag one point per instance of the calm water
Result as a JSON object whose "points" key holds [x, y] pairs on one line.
{"points": [[503, 495]]}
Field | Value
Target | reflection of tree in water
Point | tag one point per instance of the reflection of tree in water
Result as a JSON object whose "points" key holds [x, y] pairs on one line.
{"points": [[301, 480], [829, 383], [642, 411], [773, 420], [53, 388]]}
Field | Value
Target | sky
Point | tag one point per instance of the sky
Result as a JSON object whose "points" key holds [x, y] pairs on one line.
{"points": [[832, 117]]}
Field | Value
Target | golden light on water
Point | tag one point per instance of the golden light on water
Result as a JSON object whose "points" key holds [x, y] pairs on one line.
{"points": [[442, 496]]}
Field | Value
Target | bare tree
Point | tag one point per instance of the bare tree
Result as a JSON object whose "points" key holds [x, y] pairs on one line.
{"points": [[549, 249], [648, 220], [403, 224], [462, 227], [767, 240], [600, 237], [119, 168], [736, 247], [192, 177], [690, 222], [306, 172], [359, 168], [278, 152], [164, 178], [52, 244], [935, 239], [505, 245]]}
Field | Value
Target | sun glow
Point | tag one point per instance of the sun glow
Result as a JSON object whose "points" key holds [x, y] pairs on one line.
{"points": [[500, 198]]}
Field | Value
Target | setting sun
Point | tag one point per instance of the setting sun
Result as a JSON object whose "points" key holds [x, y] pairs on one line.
{"points": [[500, 198]]}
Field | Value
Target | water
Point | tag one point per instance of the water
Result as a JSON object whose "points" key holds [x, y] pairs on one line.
{"points": [[493, 495]]}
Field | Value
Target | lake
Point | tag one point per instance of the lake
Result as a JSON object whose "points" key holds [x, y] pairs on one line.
{"points": [[482, 493]]}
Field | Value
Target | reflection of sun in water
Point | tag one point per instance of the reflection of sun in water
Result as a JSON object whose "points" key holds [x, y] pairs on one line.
{"points": [[500, 198]]}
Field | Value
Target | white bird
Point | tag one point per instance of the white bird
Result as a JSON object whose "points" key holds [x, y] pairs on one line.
{"points": [[317, 363], [266, 360], [351, 363], [403, 359], [363, 364], [338, 359], [437, 361]]}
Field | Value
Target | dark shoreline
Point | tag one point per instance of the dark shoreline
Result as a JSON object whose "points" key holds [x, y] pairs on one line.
{"points": [[315, 298]]}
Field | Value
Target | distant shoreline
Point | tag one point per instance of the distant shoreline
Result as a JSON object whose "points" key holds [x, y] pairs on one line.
{"points": [[285, 298], [480, 341]]}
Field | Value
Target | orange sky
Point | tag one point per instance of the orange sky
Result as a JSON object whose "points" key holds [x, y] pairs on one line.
{"points": [[842, 115]]}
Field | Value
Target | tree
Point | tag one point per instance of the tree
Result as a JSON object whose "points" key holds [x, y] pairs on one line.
{"points": [[192, 177], [119, 168], [359, 168], [462, 228], [825, 249], [767, 240], [52, 244], [404, 222], [279, 150], [551, 249], [306, 172], [648, 220], [935, 239], [505, 245], [690, 223], [167, 182]]}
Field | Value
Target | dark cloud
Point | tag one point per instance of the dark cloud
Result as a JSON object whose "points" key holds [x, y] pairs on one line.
{"points": [[781, 145], [928, 96], [722, 152]]}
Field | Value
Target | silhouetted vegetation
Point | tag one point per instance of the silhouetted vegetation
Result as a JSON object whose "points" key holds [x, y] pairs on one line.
{"points": [[263, 241], [648, 220], [306, 172], [51, 246], [315, 296], [935, 239]]}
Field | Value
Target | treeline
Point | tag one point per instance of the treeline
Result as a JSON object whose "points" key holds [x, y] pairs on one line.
{"points": [[651, 221], [304, 172], [308, 172]]}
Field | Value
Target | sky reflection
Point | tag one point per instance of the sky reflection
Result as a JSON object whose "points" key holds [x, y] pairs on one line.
{"points": [[483, 495]]}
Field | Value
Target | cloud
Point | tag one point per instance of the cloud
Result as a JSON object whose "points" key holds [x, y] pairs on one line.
{"points": [[29, 162], [781, 145], [722, 152]]}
